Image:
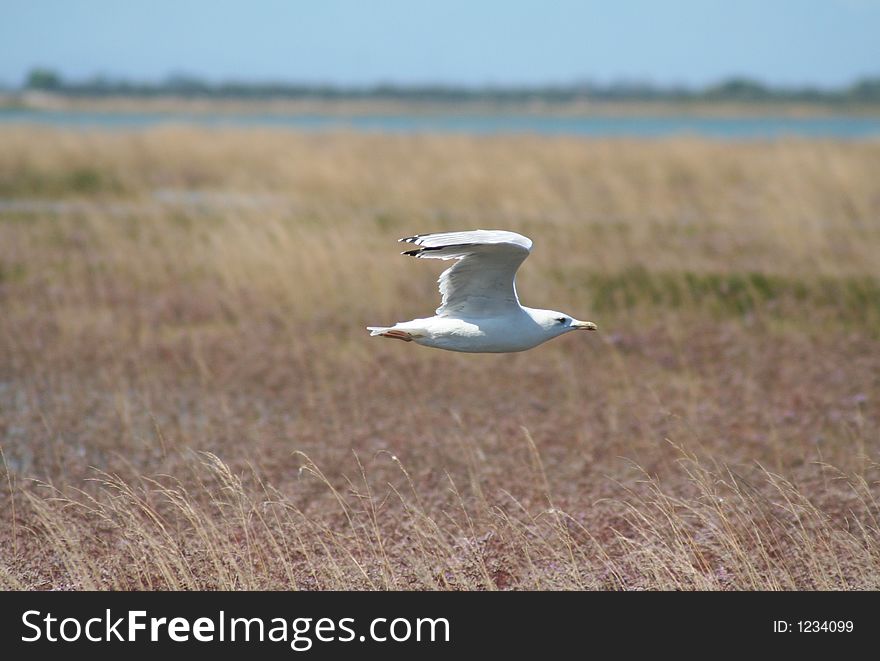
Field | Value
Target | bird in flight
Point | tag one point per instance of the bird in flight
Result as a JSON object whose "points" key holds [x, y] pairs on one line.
{"points": [[480, 311]]}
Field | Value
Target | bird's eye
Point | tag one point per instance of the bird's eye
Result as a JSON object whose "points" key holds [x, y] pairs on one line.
{"points": [[561, 320]]}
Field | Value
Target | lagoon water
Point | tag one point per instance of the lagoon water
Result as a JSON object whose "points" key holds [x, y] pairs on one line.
{"points": [[752, 127]]}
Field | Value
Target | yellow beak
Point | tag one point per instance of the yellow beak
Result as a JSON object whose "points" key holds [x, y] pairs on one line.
{"points": [[583, 325]]}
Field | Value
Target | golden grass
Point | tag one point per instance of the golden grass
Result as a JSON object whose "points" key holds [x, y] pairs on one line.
{"points": [[188, 398]]}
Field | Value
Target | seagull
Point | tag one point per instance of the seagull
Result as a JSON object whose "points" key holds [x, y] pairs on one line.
{"points": [[480, 311]]}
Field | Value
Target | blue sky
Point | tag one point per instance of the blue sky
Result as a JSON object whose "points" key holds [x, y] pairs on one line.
{"points": [[790, 42]]}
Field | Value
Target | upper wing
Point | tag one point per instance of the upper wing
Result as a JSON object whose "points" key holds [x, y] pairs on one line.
{"points": [[481, 283]]}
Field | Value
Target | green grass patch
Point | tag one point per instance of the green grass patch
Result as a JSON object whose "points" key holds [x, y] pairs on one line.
{"points": [[852, 298], [82, 181], [11, 272]]}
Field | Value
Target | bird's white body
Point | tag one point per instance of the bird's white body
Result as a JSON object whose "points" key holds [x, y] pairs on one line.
{"points": [[514, 332], [480, 312]]}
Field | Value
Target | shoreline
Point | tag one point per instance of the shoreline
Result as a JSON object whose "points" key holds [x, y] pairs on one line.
{"points": [[40, 101]]}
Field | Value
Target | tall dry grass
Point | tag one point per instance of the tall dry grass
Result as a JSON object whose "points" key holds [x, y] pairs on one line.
{"points": [[188, 398]]}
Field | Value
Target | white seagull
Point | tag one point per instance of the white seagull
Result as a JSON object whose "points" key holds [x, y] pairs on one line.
{"points": [[480, 311]]}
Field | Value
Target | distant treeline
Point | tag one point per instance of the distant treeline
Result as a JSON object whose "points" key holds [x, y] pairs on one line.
{"points": [[866, 90]]}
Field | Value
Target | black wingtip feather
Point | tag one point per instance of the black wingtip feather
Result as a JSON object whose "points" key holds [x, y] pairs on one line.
{"points": [[419, 251]]}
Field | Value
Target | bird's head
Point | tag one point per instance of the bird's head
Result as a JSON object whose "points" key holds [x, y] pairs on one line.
{"points": [[558, 323]]}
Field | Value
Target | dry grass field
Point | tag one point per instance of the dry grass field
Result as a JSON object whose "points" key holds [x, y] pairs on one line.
{"points": [[189, 400]]}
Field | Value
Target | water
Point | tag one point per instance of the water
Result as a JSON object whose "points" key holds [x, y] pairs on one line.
{"points": [[755, 127]]}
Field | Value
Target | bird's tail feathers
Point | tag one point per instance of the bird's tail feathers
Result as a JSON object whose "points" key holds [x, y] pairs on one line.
{"points": [[396, 332]]}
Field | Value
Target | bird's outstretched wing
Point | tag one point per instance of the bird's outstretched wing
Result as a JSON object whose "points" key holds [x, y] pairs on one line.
{"points": [[482, 283]]}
